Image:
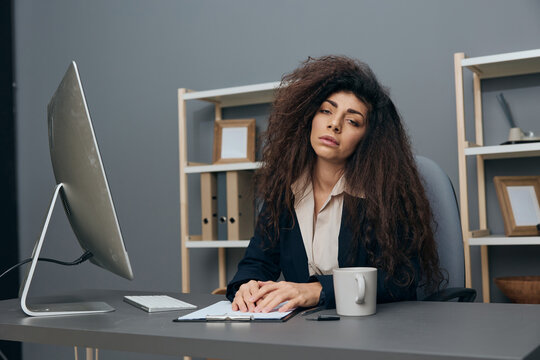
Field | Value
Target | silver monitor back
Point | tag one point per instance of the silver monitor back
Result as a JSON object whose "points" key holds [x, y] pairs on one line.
{"points": [[83, 189], [77, 165]]}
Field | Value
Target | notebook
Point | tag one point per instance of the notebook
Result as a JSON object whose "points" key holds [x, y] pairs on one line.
{"points": [[222, 311]]}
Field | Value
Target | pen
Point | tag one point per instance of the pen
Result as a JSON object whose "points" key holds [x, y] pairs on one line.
{"points": [[311, 311], [324, 318]]}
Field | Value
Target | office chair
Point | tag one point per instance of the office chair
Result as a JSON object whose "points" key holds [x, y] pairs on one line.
{"points": [[447, 232], [220, 291]]}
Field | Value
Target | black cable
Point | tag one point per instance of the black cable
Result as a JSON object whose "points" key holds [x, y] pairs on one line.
{"points": [[87, 255]]}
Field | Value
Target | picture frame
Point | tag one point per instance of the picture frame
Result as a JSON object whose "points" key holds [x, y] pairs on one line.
{"points": [[234, 141], [519, 199]]}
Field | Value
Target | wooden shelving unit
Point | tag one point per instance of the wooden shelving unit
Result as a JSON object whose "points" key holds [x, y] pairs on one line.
{"points": [[504, 240], [236, 96], [504, 151], [486, 67], [220, 98], [193, 244], [500, 65], [197, 169]]}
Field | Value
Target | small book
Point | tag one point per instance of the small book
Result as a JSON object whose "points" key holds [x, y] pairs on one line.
{"points": [[222, 311]]}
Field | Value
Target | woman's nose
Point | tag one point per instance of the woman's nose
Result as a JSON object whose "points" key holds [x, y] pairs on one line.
{"points": [[334, 125]]}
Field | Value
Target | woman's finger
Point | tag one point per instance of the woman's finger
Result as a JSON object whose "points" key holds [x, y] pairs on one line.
{"points": [[289, 305], [252, 288], [264, 290], [240, 304], [273, 302], [241, 299], [263, 302], [250, 304], [273, 298]]}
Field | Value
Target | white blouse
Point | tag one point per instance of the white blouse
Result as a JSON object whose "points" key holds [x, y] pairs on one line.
{"points": [[321, 236]]}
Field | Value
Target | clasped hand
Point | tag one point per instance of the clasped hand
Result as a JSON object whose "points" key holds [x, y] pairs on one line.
{"points": [[263, 296]]}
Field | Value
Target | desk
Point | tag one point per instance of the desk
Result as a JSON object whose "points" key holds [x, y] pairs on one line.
{"points": [[406, 330]]}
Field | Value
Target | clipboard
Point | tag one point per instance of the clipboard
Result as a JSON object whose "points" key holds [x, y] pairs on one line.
{"points": [[222, 311]]}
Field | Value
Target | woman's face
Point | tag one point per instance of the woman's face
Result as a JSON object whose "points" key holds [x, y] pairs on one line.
{"points": [[338, 126]]}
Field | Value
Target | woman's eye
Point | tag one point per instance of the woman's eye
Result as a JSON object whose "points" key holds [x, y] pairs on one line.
{"points": [[356, 122], [325, 111]]}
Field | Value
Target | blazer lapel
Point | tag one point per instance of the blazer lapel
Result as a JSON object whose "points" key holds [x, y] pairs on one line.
{"points": [[344, 239], [293, 256]]}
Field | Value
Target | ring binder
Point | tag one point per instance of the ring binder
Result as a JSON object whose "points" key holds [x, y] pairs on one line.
{"points": [[240, 210], [222, 311], [230, 317], [209, 206]]}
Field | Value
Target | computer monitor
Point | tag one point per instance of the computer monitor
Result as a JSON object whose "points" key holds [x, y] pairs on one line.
{"points": [[83, 189]]}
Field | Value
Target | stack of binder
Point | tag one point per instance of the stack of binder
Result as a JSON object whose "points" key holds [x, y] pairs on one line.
{"points": [[239, 198]]}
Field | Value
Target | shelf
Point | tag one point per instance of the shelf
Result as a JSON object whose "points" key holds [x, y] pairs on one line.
{"points": [[221, 98], [504, 240], [197, 169], [217, 244], [237, 96], [509, 64], [505, 151]]}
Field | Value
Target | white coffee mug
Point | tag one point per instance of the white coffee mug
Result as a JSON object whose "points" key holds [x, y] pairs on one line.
{"points": [[355, 290]]}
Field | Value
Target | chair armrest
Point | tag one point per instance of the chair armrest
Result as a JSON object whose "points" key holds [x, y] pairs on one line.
{"points": [[462, 294]]}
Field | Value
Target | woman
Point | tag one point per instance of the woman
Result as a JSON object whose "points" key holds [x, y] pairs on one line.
{"points": [[340, 188]]}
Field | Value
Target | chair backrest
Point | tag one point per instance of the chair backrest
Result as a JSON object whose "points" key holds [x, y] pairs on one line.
{"points": [[447, 227]]}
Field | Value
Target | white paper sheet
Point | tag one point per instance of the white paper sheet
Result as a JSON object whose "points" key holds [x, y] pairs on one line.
{"points": [[524, 205], [225, 308], [234, 142]]}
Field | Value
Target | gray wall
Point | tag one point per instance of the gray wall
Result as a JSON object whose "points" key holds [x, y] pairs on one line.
{"points": [[133, 55]]}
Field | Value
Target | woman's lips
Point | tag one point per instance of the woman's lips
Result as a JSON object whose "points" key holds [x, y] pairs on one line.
{"points": [[328, 140]]}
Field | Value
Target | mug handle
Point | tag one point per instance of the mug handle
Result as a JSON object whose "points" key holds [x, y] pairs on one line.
{"points": [[361, 288]]}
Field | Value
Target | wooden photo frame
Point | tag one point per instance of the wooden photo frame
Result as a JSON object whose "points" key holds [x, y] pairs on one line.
{"points": [[519, 199], [234, 141]]}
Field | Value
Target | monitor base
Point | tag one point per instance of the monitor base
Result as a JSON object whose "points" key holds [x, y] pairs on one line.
{"points": [[76, 308]]}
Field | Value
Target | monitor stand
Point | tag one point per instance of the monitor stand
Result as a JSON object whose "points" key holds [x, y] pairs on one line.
{"points": [[78, 308]]}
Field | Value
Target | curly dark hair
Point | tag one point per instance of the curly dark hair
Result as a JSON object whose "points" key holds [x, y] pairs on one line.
{"points": [[396, 219]]}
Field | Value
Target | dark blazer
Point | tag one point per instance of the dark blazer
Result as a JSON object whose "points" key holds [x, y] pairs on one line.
{"points": [[264, 262]]}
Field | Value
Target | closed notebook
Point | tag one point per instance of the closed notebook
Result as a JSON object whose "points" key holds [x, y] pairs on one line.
{"points": [[222, 311]]}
